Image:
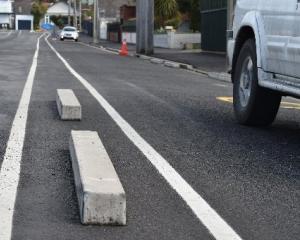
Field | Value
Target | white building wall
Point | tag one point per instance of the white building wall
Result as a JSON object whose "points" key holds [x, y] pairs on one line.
{"points": [[129, 37], [4, 18], [6, 7], [6, 13], [167, 40], [161, 40]]}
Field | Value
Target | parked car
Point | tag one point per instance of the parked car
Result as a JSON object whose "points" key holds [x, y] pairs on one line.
{"points": [[69, 33], [264, 55]]}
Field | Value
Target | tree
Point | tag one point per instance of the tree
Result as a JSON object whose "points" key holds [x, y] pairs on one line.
{"points": [[195, 15], [184, 6], [165, 10], [38, 10], [192, 9]]}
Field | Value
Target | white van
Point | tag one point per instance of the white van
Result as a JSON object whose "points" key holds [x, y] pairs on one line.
{"points": [[264, 55]]}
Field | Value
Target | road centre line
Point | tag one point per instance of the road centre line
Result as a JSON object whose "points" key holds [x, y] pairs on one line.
{"points": [[10, 169], [204, 212]]}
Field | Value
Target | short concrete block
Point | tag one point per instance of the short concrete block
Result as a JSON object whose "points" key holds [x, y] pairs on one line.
{"points": [[100, 194], [172, 64], [68, 105]]}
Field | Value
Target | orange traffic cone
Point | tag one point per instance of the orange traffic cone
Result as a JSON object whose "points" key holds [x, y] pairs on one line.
{"points": [[124, 50]]}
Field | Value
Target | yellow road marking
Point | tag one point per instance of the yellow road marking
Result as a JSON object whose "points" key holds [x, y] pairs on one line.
{"points": [[285, 105], [225, 99]]}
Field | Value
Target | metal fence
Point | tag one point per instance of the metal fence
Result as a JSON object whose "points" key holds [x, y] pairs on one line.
{"points": [[213, 25]]}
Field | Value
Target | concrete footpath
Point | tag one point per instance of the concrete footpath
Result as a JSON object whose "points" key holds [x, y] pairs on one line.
{"points": [[211, 64]]}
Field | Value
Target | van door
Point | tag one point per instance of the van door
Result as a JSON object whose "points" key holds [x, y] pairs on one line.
{"points": [[279, 25], [293, 47]]}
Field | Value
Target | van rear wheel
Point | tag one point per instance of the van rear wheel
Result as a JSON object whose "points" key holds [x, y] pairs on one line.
{"points": [[253, 105]]}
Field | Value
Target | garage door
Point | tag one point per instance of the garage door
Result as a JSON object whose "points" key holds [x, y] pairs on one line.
{"points": [[24, 24]]}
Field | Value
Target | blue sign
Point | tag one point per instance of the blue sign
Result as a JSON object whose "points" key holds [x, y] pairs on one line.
{"points": [[47, 26]]}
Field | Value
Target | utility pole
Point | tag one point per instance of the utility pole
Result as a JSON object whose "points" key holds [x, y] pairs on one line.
{"points": [[95, 23], [75, 14], [80, 16], [145, 26], [69, 12]]}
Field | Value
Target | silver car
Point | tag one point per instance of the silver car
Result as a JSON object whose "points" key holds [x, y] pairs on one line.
{"points": [[69, 33]]}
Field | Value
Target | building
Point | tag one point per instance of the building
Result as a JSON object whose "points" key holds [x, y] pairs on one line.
{"points": [[23, 17], [110, 11], [61, 9], [6, 14]]}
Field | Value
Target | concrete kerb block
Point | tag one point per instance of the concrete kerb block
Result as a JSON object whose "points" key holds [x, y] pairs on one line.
{"points": [[156, 61], [68, 105], [186, 66], [222, 76], [100, 194], [112, 50], [144, 57], [172, 64]]}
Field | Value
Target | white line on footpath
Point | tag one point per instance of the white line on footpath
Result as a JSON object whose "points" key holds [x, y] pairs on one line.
{"points": [[10, 169], [205, 213]]}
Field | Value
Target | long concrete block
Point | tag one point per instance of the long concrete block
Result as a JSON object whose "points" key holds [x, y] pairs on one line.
{"points": [[100, 194], [68, 105]]}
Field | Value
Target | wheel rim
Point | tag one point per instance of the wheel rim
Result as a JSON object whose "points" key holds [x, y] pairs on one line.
{"points": [[246, 81]]}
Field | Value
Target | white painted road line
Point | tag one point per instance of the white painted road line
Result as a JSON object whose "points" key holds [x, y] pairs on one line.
{"points": [[7, 34], [101, 196], [10, 169], [205, 213]]}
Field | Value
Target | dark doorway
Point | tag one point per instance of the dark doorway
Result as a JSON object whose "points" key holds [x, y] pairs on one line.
{"points": [[24, 24]]}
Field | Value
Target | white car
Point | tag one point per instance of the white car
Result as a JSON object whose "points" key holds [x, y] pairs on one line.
{"points": [[69, 33], [264, 55]]}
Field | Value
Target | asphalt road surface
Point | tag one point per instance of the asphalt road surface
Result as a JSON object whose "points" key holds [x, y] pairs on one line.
{"points": [[249, 176]]}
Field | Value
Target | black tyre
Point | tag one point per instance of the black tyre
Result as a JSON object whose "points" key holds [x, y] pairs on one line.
{"points": [[61, 39], [76, 40], [253, 105]]}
